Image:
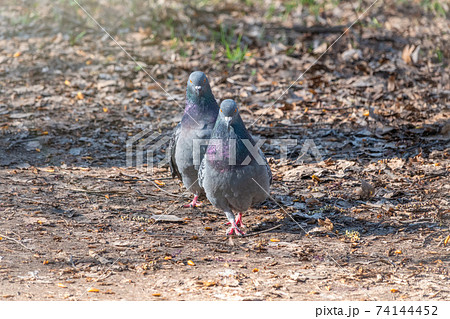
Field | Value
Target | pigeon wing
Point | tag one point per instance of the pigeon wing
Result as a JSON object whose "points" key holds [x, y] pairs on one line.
{"points": [[269, 172], [172, 148]]}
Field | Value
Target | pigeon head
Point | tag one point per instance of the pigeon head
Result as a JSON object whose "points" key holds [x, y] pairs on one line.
{"points": [[198, 84], [229, 112], [201, 106]]}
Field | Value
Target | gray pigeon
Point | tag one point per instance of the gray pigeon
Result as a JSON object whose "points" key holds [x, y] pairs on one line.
{"points": [[196, 125], [234, 172]]}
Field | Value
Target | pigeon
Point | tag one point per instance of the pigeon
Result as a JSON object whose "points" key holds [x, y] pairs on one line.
{"points": [[194, 130], [234, 172]]}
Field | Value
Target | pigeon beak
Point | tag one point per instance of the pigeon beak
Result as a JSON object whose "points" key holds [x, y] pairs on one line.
{"points": [[228, 120], [198, 88]]}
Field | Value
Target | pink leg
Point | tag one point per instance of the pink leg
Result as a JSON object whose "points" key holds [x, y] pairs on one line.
{"points": [[239, 220], [234, 230], [194, 203]]}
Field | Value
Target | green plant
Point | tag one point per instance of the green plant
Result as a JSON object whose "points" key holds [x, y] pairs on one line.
{"points": [[313, 6], [290, 50], [183, 52], [375, 23], [353, 235], [270, 11], [439, 55], [74, 39], [237, 54], [26, 19], [433, 6], [171, 26], [289, 6]]}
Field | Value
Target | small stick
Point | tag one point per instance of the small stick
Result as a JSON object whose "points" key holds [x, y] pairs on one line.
{"points": [[168, 193], [263, 231], [16, 241]]}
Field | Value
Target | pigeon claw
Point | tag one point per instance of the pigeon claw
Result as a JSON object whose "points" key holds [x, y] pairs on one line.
{"points": [[234, 230], [195, 203]]}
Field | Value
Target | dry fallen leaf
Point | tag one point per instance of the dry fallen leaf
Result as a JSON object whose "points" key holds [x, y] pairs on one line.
{"points": [[391, 83], [394, 290], [190, 263], [406, 54], [80, 96], [274, 240], [326, 224], [159, 183], [398, 252], [108, 292], [447, 239], [209, 283], [60, 285], [311, 201], [156, 295], [93, 290]]}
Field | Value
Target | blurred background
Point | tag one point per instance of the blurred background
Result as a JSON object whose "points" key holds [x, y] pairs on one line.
{"points": [[62, 76]]}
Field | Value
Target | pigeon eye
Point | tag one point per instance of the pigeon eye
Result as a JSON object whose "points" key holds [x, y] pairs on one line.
{"points": [[235, 110], [221, 110], [190, 81], [204, 80]]}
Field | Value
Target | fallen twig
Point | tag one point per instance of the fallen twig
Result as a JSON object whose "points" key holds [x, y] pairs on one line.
{"points": [[263, 231], [16, 241]]}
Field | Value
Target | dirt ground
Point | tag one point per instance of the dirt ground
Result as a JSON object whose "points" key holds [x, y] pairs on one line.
{"points": [[359, 210]]}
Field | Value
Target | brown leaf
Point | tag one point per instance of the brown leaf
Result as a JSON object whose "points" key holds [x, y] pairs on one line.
{"points": [[447, 239], [391, 83], [326, 224], [406, 54]]}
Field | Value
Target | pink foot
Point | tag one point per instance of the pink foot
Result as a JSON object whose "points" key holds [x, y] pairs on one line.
{"points": [[238, 221], [194, 203], [234, 230]]}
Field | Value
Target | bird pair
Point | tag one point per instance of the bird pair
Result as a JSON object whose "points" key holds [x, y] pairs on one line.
{"points": [[212, 152]]}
